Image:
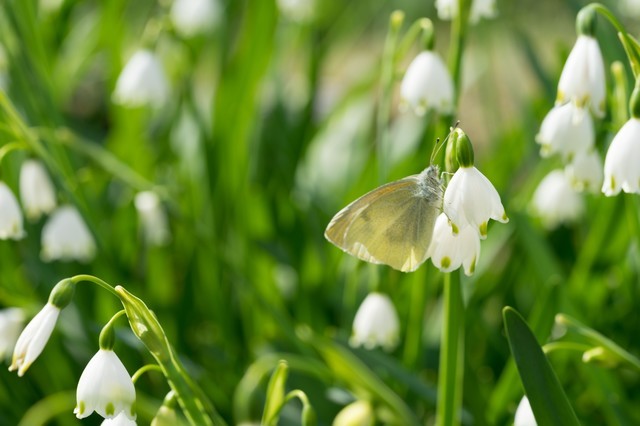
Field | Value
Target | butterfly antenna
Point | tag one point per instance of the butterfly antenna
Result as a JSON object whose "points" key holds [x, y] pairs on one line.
{"points": [[438, 146]]}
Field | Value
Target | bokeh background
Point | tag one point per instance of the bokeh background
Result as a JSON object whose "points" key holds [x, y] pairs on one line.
{"points": [[268, 132]]}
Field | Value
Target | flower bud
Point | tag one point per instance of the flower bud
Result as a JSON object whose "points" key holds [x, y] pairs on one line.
{"points": [[62, 293], [464, 149], [586, 21]]}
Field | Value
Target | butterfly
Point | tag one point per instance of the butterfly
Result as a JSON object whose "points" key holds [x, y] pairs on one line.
{"points": [[393, 224]]}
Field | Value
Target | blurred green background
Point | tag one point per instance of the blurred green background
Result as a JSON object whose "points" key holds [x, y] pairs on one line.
{"points": [[268, 132]]}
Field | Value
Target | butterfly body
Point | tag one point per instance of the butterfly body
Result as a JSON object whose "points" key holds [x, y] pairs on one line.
{"points": [[392, 224]]}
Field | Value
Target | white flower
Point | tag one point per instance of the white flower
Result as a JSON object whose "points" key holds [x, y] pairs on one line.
{"points": [[357, 413], [65, 236], [36, 190], [449, 251], [622, 163], [11, 225], [300, 11], [555, 201], [585, 171], [566, 130], [524, 415], [142, 82], [471, 199], [11, 320], [376, 323], [448, 9], [192, 17], [33, 338], [152, 218], [427, 84], [119, 420], [582, 80], [105, 387]]}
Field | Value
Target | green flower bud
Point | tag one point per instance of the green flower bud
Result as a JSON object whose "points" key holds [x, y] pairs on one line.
{"points": [[464, 149], [428, 35], [586, 21], [634, 102], [450, 158], [107, 337], [62, 293]]}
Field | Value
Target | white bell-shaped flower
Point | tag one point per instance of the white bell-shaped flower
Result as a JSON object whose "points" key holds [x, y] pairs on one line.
{"points": [[11, 320], [524, 414], [33, 338], [300, 11], [583, 80], [106, 388], [427, 84], [448, 9], [622, 163], [119, 420], [11, 223], [566, 130], [358, 413], [376, 323], [193, 17], [66, 237], [585, 171], [555, 201], [449, 251], [471, 199], [36, 190], [152, 218], [142, 82]]}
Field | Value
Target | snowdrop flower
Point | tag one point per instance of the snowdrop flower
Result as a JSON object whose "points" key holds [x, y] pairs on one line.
{"points": [[11, 224], [585, 171], [106, 388], [524, 414], [427, 84], [142, 82], [36, 190], [622, 162], [152, 218], [300, 11], [448, 9], [566, 130], [449, 251], [192, 17], [34, 338], [582, 80], [376, 323], [66, 237], [11, 320], [357, 413], [119, 420], [555, 201]]}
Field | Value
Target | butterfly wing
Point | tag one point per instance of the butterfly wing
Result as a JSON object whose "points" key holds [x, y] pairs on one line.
{"points": [[392, 224]]}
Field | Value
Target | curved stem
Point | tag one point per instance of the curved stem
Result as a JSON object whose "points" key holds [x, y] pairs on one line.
{"points": [[565, 346], [95, 280], [144, 369], [419, 26], [12, 146]]}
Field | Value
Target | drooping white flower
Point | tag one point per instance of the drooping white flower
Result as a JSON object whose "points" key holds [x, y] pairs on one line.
{"points": [[448, 9], [471, 199], [66, 237], [376, 323], [105, 387], [622, 162], [427, 84], [11, 224], [193, 17], [119, 420], [566, 130], [585, 171], [36, 190], [300, 11], [524, 414], [142, 82], [33, 338], [152, 218], [449, 251], [583, 80], [11, 320], [555, 201], [358, 413]]}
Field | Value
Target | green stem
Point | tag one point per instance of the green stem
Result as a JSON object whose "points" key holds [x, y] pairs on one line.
{"points": [[458, 38], [413, 340], [451, 354], [566, 346], [142, 370], [405, 43], [11, 146], [386, 85], [95, 280]]}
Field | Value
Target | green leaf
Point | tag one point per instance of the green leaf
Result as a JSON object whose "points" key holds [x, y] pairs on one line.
{"points": [[275, 394], [548, 400]]}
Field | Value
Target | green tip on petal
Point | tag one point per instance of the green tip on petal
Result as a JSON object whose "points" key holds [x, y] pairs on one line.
{"points": [[483, 229], [505, 218], [454, 228], [81, 408], [472, 267], [445, 262], [109, 409]]}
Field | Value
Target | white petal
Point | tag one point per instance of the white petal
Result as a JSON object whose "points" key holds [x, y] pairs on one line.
{"points": [[376, 323], [192, 17], [119, 420], [11, 224], [524, 414], [142, 82], [585, 171], [11, 321], [33, 338], [566, 130], [152, 218], [621, 165], [36, 190], [427, 84], [555, 201], [449, 251], [65, 236]]}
